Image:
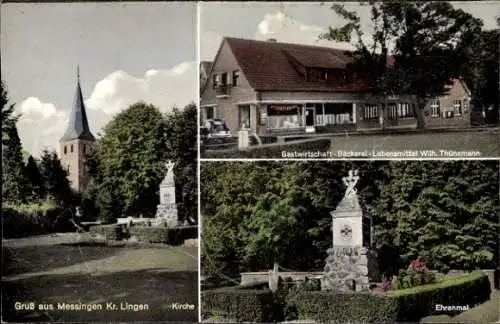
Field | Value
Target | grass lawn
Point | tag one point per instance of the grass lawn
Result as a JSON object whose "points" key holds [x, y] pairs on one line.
{"points": [[75, 273], [486, 142]]}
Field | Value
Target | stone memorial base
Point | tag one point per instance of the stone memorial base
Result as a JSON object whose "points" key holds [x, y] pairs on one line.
{"points": [[167, 215], [346, 270]]}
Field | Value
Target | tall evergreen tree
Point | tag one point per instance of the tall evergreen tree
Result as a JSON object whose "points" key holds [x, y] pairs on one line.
{"points": [[35, 178], [55, 178], [15, 184]]}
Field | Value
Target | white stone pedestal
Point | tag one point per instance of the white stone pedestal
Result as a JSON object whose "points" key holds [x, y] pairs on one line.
{"points": [[243, 139]]}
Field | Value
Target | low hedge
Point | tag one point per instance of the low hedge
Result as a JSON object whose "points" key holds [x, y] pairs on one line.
{"points": [[111, 232], [408, 305], [361, 307], [417, 302], [275, 150], [171, 236], [241, 305]]}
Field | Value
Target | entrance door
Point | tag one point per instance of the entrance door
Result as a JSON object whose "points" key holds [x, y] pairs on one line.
{"points": [[309, 116]]}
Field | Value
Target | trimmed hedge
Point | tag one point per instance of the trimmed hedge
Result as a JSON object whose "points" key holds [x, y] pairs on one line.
{"points": [[34, 219], [111, 232], [401, 305], [172, 236], [362, 307], [274, 150], [241, 305]]}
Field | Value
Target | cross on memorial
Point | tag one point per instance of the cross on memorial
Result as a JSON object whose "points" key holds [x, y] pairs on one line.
{"points": [[346, 231]]}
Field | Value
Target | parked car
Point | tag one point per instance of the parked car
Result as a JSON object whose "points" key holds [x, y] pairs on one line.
{"points": [[215, 128]]}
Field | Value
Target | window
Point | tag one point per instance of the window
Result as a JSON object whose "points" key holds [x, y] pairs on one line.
{"points": [[67, 168], [215, 81], [224, 79], [323, 75], [405, 110], [210, 112], [244, 121], [435, 108], [236, 74], [84, 148], [65, 149], [370, 111], [71, 148], [457, 105]]}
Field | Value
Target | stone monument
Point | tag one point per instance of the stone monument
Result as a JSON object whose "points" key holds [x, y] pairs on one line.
{"points": [[166, 211], [347, 262]]}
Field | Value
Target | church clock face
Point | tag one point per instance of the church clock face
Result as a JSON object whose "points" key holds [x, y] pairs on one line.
{"points": [[346, 233]]}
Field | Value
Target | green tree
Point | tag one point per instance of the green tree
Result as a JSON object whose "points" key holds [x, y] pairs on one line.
{"points": [[484, 76], [35, 178], [55, 178], [254, 212], [431, 43], [128, 163], [181, 131], [446, 212], [8, 117]]}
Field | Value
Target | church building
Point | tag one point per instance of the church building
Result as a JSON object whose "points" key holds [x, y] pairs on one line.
{"points": [[76, 143]]}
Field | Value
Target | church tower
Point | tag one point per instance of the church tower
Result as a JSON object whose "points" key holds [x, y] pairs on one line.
{"points": [[76, 142]]}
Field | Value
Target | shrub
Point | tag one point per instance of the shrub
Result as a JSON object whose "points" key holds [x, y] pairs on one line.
{"points": [[402, 305], [172, 236], [34, 219], [417, 274], [242, 305], [111, 232]]}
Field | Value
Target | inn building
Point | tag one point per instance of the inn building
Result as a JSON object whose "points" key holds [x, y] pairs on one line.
{"points": [[274, 88]]}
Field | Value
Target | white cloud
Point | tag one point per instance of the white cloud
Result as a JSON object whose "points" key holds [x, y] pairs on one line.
{"points": [[285, 29], [162, 88], [33, 106], [41, 125]]}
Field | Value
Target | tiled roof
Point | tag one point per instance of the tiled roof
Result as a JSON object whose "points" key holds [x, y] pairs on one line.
{"points": [[268, 65], [78, 125]]}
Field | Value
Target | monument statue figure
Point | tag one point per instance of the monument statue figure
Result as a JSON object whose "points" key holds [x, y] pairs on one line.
{"points": [[350, 182], [166, 211], [346, 264]]}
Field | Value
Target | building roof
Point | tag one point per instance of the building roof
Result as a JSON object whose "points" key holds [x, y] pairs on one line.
{"points": [[78, 125], [268, 66]]}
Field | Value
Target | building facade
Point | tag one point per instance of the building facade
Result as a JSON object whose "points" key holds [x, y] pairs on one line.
{"points": [[280, 88], [76, 143]]}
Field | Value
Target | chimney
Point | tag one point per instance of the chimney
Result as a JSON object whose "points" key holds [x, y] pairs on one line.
{"points": [[272, 40]]}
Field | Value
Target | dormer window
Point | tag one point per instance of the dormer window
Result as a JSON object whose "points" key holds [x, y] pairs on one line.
{"points": [[236, 74], [224, 79]]}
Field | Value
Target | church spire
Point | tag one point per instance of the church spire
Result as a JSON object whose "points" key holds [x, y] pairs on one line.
{"points": [[78, 125]]}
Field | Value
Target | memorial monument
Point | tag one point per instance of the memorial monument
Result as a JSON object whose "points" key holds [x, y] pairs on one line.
{"points": [[166, 212], [347, 262]]}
